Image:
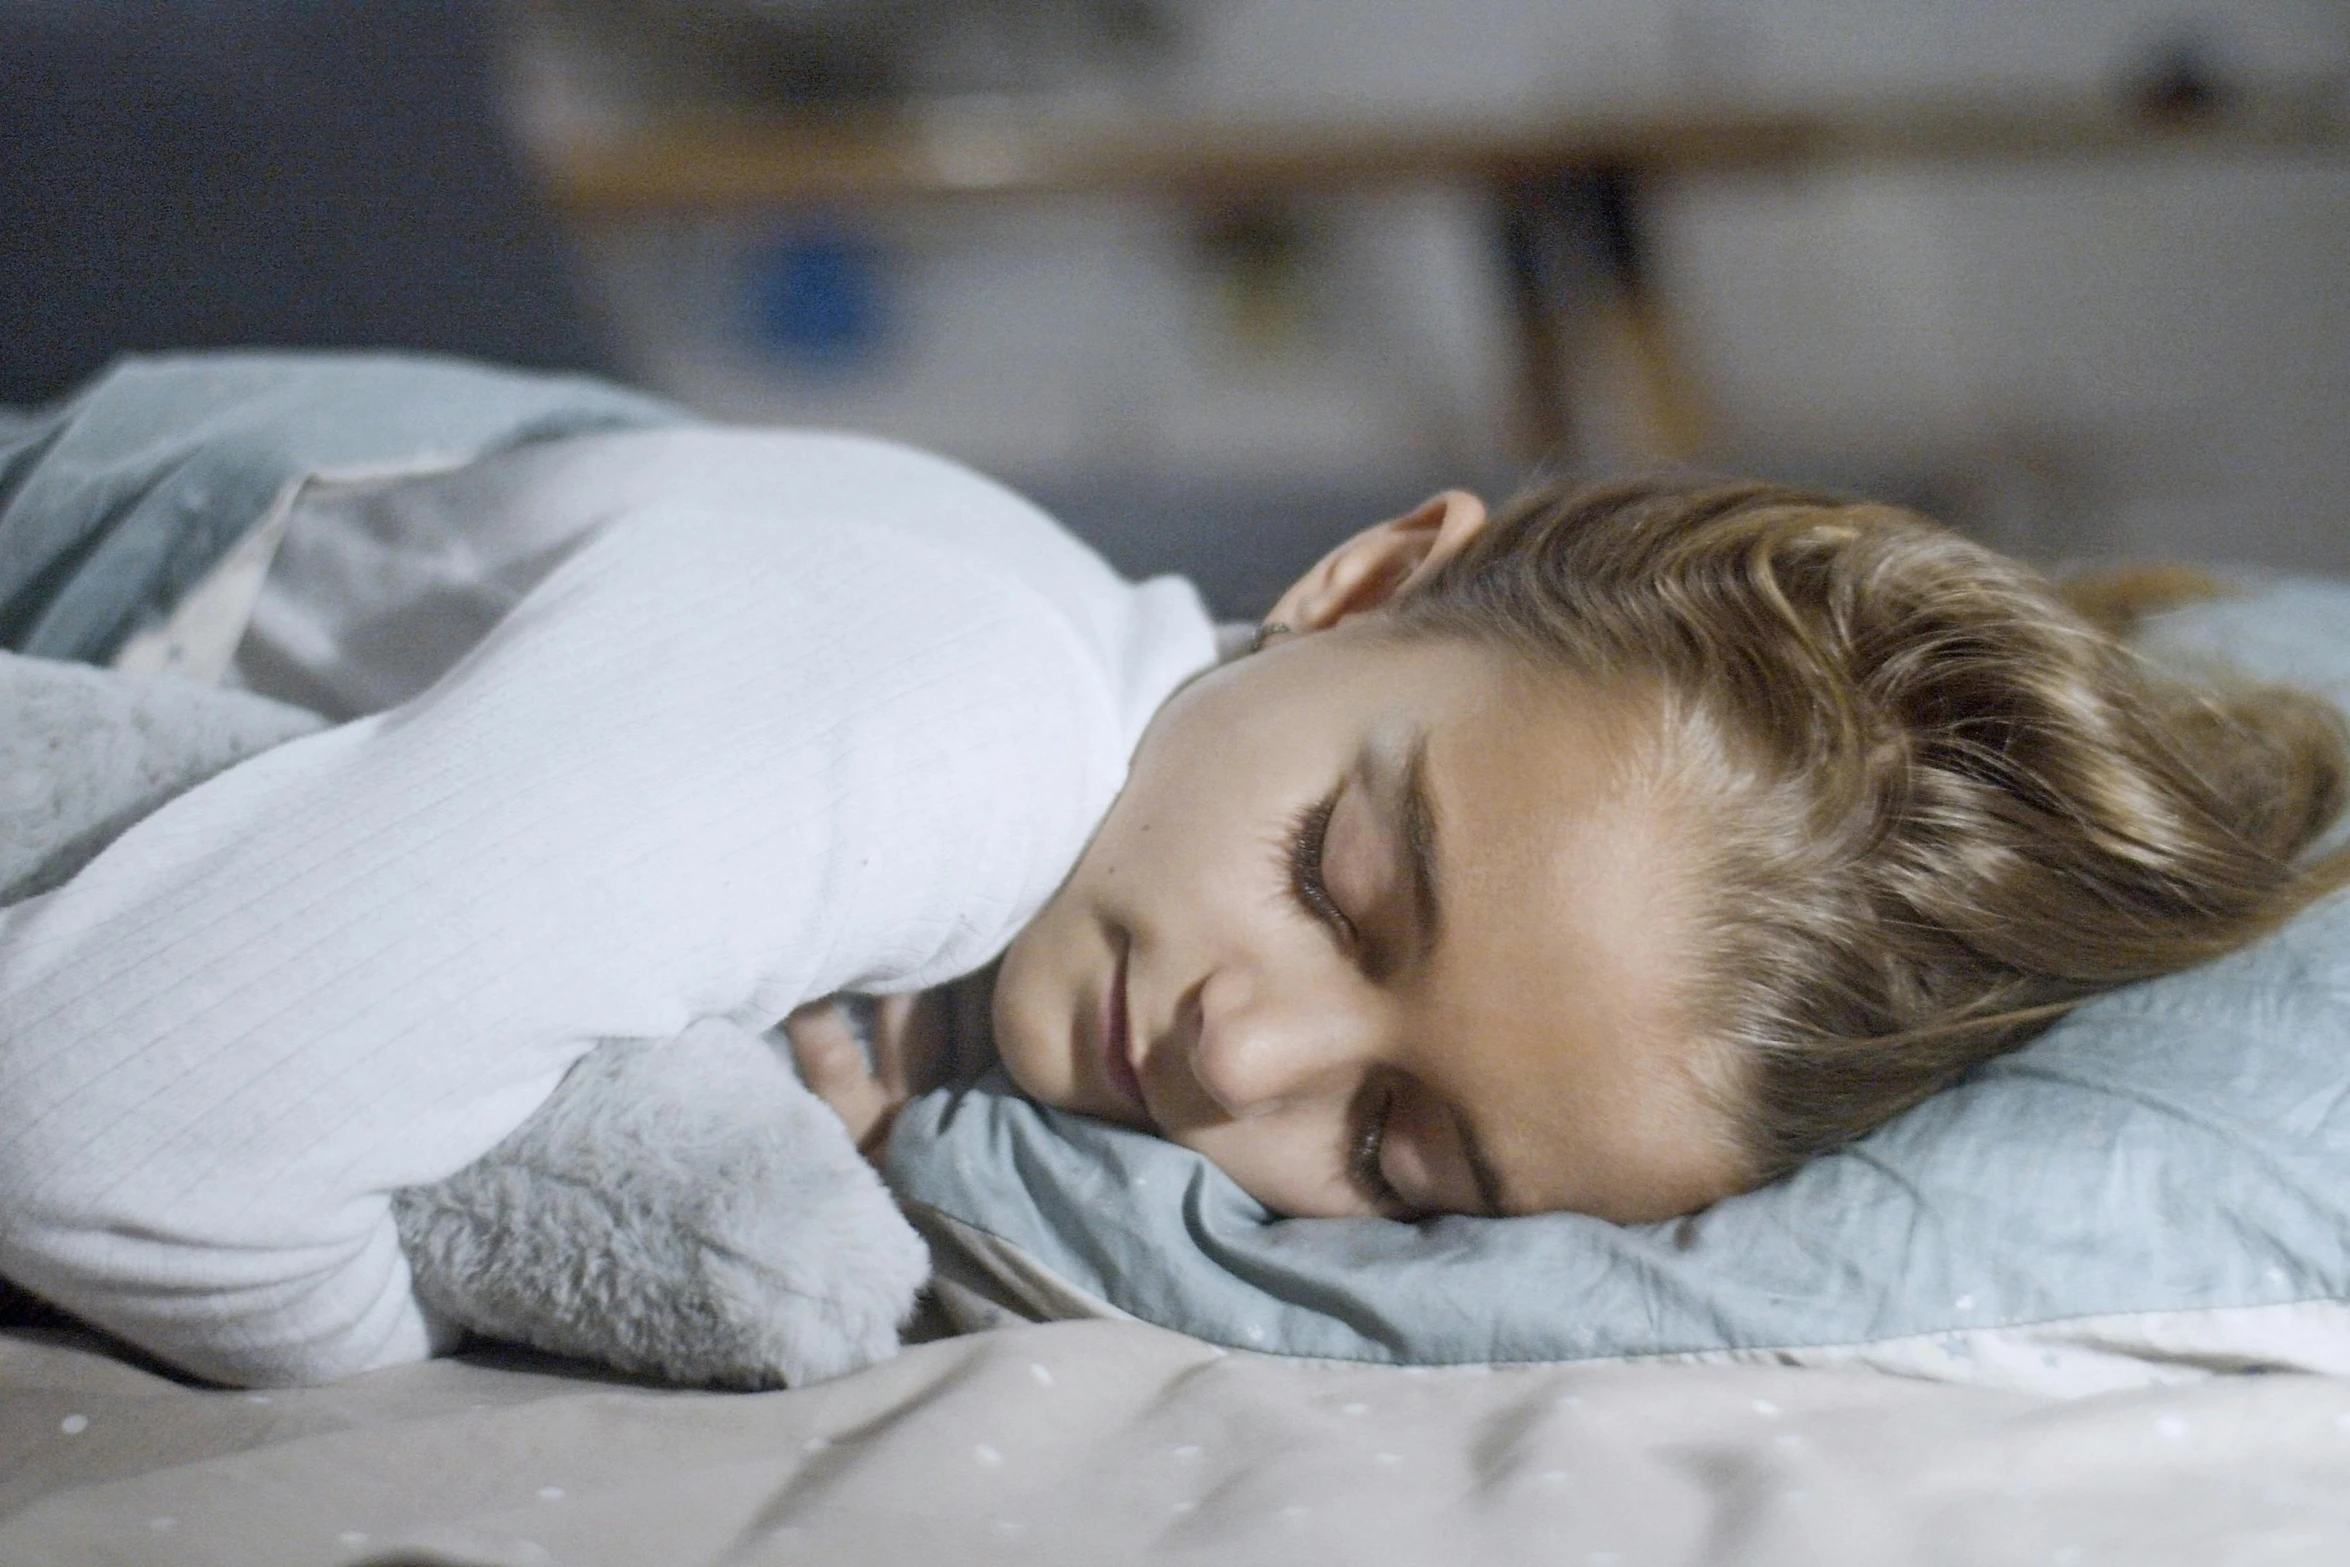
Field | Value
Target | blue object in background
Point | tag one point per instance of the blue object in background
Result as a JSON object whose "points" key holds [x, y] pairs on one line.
{"points": [[818, 298]]}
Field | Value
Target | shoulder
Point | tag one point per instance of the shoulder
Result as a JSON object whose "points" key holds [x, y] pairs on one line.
{"points": [[872, 528]]}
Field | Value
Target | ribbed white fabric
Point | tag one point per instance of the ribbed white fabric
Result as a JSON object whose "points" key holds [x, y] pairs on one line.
{"points": [[722, 760]]}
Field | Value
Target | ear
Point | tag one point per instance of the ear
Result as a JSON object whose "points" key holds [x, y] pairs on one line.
{"points": [[1381, 563]]}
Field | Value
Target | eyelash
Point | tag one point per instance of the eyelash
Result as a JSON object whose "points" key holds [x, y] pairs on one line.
{"points": [[1363, 1164], [1304, 858]]}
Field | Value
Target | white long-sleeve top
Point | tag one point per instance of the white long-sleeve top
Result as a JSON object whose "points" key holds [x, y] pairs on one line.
{"points": [[819, 713]]}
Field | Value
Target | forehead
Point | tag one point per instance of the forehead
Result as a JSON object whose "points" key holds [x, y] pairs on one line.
{"points": [[1554, 1002]]}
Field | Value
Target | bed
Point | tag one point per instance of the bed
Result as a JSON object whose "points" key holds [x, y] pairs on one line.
{"points": [[2133, 1345], [1106, 1442]]}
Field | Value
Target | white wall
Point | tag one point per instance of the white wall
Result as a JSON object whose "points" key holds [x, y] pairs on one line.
{"points": [[1408, 57], [2159, 350], [2141, 355]]}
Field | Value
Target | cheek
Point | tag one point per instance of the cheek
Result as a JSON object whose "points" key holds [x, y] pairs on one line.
{"points": [[1175, 837], [1042, 996]]}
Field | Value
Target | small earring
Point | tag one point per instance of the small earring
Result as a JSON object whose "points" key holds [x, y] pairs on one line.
{"points": [[1265, 633]]}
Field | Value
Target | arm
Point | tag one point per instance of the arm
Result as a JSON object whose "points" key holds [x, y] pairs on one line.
{"points": [[707, 769]]}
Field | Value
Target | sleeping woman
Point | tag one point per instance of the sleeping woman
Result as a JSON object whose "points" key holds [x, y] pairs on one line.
{"points": [[1614, 852]]}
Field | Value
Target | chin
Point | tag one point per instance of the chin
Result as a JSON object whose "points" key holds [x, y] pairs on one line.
{"points": [[1020, 1045]]}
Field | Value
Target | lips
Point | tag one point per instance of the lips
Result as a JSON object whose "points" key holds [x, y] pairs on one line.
{"points": [[1117, 1043]]}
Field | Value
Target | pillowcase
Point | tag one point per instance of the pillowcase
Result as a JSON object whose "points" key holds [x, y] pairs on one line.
{"points": [[2156, 1189]]}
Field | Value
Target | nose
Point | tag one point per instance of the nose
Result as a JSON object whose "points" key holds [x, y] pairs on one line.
{"points": [[1257, 1049]]}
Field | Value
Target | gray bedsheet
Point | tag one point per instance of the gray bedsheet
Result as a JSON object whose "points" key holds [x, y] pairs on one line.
{"points": [[1107, 1442]]}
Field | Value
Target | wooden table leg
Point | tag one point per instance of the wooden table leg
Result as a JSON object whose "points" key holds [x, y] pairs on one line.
{"points": [[1580, 288]]}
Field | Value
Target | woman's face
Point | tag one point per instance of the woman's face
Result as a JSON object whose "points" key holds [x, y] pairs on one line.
{"points": [[1383, 925]]}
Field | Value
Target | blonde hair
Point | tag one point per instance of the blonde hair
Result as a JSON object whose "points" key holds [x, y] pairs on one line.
{"points": [[1942, 806]]}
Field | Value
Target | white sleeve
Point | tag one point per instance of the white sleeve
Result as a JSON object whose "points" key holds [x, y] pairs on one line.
{"points": [[709, 767]]}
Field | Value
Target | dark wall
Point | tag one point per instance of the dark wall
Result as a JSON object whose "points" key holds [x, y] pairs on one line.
{"points": [[209, 173]]}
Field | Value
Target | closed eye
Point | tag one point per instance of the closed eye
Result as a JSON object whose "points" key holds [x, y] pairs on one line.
{"points": [[1304, 856], [1363, 1168]]}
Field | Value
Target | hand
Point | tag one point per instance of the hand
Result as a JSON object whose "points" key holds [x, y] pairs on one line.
{"points": [[912, 1053]]}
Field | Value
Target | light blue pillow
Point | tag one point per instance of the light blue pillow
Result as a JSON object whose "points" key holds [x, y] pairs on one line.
{"points": [[2157, 1188]]}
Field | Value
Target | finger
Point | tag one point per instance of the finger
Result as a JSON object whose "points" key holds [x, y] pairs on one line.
{"points": [[826, 1049], [890, 1017], [831, 1062]]}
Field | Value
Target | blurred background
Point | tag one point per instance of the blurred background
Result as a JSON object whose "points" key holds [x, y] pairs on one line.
{"points": [[1217, 280]]}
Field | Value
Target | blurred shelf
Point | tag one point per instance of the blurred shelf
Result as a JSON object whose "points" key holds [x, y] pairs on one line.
{"points": [[1568, 192], [725, 164]]}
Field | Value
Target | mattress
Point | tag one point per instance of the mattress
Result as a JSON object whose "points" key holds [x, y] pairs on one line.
{"points": [[1102, 1442]]}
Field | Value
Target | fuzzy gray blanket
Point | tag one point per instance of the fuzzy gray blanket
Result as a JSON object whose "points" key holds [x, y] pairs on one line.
{"points": [[679, 1208]]}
